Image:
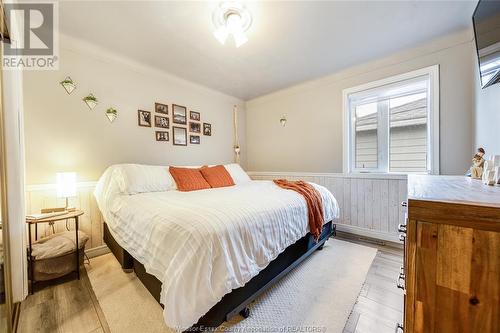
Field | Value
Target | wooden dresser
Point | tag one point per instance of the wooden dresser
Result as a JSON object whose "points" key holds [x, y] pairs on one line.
{"points": [[451, 275]]}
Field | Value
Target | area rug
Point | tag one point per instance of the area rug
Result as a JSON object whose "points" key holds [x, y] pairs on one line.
{"points": [[317, 296]]}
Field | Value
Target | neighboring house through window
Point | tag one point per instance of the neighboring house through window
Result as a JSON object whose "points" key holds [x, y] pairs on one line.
{"points": [[392, 125]]}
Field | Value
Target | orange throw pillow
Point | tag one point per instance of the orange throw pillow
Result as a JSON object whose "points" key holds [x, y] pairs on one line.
{"points": [[188, 179], [217, 176]]}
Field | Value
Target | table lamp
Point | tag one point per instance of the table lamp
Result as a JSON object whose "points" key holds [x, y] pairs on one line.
{"points": [[66, 187]]}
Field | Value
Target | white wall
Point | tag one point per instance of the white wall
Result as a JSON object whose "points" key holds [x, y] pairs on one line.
{"points": [[312, 138], [487, 116], [62, 134]]}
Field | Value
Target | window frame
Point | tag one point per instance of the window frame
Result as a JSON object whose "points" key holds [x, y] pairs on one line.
{"points": [[432, 123]]}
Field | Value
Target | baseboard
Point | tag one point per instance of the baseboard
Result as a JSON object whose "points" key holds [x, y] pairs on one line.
{"points": [[364, 239], [97, 251], [393, 238]]}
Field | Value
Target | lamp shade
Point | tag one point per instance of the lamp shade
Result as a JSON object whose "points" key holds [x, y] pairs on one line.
{"points": [[66, 184]]}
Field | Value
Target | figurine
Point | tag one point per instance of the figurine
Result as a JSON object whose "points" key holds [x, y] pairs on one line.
{"points": [[476, 169], [491, 170]]}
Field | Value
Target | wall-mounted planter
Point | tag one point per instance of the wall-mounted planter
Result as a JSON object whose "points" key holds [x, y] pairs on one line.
{"points": [[91, 101], [68, 85], [111, 113]]}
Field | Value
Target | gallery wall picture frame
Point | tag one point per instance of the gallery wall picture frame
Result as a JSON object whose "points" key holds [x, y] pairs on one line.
{"points": [[194, 115], [207, 129], [194, 127], [179, 136], [194, 139], [162, 122], [179, 114], [161, 108], [162, 136], [144, 118]]}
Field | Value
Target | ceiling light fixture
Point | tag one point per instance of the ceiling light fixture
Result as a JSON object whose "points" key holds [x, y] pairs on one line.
{"points": [[231, 18]]}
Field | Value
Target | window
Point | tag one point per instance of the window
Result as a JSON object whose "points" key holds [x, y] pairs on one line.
{"points": [[392, 125]]}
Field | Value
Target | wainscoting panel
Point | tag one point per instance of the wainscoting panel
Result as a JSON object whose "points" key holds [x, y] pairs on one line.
{"points": [[44, 196], [370, 205]]}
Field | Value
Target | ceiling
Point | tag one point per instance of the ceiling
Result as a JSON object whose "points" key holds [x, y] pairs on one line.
{"points": [[289, 42]]}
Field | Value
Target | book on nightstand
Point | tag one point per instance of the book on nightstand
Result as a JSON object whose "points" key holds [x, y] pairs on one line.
{"points": [[44, 215]]}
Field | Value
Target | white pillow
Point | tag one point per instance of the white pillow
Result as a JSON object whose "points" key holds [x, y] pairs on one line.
{"points": [[137, 178], [237, 173]]}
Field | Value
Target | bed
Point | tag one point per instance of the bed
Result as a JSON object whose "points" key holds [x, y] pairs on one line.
{"points": [[205, 255]]}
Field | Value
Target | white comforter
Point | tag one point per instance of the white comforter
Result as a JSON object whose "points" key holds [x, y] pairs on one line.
{"points": [[203, 244]]}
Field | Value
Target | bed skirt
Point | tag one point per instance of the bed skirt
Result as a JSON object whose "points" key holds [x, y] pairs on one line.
{"points": [[236, 301]]}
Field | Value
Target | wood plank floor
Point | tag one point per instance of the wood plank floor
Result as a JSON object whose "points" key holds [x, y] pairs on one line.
{"points": [[71, 306], [379, 306]]}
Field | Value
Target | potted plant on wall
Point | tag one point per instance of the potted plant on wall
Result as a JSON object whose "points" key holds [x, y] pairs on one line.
{"points": [[111, 113], [91, 101], [68, 85]]}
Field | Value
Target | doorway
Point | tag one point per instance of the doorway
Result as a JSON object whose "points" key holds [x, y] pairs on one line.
{"points": [[6, 317]]}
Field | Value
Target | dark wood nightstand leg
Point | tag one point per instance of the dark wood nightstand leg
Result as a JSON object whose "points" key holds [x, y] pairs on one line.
{"points": [[77, 250], [32, 273]]}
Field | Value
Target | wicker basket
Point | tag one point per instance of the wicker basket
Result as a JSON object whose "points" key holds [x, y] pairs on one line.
{"points": [[53, 268], [59, 264]]}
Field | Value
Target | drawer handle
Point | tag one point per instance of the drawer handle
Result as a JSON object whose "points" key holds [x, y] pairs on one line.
{"points": [[399, 327], [402, 228], [401, 281], [402, 237]]}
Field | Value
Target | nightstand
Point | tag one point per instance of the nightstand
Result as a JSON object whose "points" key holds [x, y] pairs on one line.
{"points": [[69, 215]]}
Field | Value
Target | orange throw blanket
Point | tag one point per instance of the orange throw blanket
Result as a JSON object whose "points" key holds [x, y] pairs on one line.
{"points": [[313, 200]]}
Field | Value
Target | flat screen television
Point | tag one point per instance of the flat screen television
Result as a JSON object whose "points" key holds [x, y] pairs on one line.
{"points": [[486, 21]]}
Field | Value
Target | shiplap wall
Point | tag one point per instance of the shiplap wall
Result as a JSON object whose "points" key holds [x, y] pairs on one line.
{"points": [[44, 196], [370, 204]]}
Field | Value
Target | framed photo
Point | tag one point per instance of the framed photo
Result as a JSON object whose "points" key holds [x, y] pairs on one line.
{"points": [[180, 136], [194, 127], [194, 115], [194, 139], [161, 108], [179, 114], [207, 129], [144, 118], [162, 136], [162, 122]]}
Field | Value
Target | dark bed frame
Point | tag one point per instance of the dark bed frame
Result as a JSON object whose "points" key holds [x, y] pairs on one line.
{"points": [[237, 301]]}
